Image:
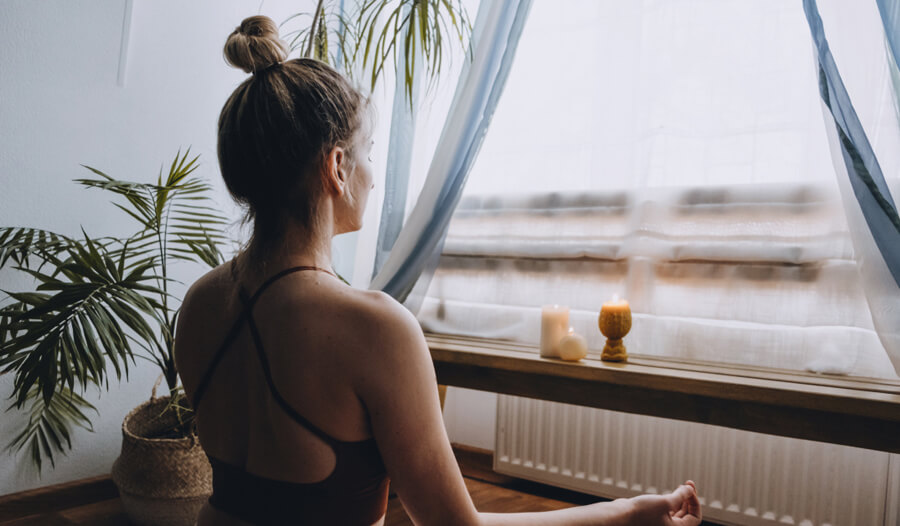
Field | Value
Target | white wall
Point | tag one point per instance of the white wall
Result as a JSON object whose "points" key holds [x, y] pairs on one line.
{"points": [[61, 106], [470, 417]]}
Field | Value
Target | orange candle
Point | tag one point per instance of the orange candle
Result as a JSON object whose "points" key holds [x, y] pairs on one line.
{"points": [[615, 322]]}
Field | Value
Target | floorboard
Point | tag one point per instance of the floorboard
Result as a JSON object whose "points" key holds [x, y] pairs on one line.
{"points": [[95, 502], [487, 497]]}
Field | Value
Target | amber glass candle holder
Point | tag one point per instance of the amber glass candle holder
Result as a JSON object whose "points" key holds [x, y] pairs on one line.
{"points": [[614, 323]]}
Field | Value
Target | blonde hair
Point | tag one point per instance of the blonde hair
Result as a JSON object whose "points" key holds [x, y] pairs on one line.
{"points": [[254, 45]]}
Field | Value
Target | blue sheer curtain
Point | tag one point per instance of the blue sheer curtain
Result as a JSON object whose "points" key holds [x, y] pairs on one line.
{"points": [[417, 248], [399, 161], [890, 17], [869, 205]]}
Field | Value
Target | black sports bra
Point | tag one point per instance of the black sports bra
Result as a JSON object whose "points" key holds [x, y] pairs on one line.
{"points": [[356, 491]]}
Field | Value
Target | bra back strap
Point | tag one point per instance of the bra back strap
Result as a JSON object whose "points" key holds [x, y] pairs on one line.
{"points": [[285, 406], [236, 327]]}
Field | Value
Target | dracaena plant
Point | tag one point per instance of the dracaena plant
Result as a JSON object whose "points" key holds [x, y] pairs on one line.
{"points": [[367, 35], [100, 302]]}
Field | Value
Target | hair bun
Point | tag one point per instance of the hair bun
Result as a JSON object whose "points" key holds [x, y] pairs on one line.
{"points": [[254, 45]]}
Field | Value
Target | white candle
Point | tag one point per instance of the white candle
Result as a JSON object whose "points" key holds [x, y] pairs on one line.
{"points": [[554, 324], [572, 347]]}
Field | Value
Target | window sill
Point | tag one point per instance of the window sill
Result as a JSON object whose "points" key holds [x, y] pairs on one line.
{"points": [[841, 410]]}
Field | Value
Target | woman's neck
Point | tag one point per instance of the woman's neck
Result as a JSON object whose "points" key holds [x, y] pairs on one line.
{"points": [[297, 247]]}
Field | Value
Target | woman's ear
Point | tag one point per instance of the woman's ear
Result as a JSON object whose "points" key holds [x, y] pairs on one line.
{"points": [[336, 170]]}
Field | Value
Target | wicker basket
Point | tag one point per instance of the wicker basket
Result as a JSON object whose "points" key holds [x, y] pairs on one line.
{"points": [[161, 481]]}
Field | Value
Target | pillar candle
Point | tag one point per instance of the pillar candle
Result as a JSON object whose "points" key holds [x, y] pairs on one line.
{"points": [[554, 324]]}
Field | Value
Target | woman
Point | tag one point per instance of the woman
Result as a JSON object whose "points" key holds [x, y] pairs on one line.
{"points": [[310, 393]]}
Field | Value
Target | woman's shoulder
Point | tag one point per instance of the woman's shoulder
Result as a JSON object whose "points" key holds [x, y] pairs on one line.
{"points": [[210, 287], [384, 342], [205, 302], [208, 301], [378, 312], [370, 326]]}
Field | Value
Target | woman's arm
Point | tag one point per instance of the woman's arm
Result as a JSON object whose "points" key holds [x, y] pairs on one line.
{"points": [[397, 384]]}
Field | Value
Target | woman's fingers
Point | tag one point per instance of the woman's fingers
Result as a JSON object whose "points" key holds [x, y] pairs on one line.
{"points": [[681, 512], [679, 508], [676, 499], [692, 504], [684, 505]]}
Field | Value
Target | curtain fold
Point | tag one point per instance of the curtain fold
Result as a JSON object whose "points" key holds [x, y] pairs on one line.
{"points": [[418, 245], [890, 17], [399, 161], [870, 208]]}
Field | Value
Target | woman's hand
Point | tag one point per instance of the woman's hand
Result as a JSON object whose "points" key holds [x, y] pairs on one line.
{"points": [[679, 508]]}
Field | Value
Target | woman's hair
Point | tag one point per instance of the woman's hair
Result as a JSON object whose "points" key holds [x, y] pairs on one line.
{"points": [[276, 127]]}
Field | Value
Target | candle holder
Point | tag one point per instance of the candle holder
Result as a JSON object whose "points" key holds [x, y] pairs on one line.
{"points": [[614, 323]]}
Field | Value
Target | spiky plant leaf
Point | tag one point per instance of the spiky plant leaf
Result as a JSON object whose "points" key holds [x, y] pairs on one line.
{"points": [[418, 26], [335, 37], [383, 32], [170, 214], [51, 332], [24, 245], [48, 430]]}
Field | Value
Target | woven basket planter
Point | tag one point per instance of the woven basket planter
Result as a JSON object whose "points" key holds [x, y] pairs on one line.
{"points": [[161, 481]]}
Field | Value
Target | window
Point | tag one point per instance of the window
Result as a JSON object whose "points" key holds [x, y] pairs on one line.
{"points": [[673, 154]]}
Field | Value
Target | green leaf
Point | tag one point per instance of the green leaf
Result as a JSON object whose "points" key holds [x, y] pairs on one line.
{"points": [[20, 245], [48, 431]]}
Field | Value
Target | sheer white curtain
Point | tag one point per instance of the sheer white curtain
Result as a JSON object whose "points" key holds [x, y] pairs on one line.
{"points": [[495, 38], [856, 51], [671, 152]]}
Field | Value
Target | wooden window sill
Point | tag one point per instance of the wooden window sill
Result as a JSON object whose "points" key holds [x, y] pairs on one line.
{"points": [[858, 412]]}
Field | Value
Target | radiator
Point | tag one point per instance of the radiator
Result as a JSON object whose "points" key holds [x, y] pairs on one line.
{"points": [[744, 478]]}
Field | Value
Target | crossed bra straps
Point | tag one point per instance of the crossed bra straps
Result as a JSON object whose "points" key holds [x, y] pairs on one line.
{"points": [[356, 491]]}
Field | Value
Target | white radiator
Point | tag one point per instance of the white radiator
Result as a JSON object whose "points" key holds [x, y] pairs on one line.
{"points": [[744, 478]]}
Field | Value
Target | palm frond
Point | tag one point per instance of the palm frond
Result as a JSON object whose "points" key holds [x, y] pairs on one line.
{"points": [[64, 333], [135, 193], [167, 212], [23, 245], [194, 229], [48, 430], [334, 37], [320, 43], [416, 26]]}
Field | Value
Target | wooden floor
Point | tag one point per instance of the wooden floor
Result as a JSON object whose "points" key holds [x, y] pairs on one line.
{"points": [[487, 497], [95, 502]]}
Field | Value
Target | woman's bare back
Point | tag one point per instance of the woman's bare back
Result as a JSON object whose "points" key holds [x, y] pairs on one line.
{"points": [[355, 363], [304, 322]]}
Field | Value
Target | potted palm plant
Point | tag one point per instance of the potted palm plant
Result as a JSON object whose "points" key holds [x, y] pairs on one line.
{"points": [[100, 303]]}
